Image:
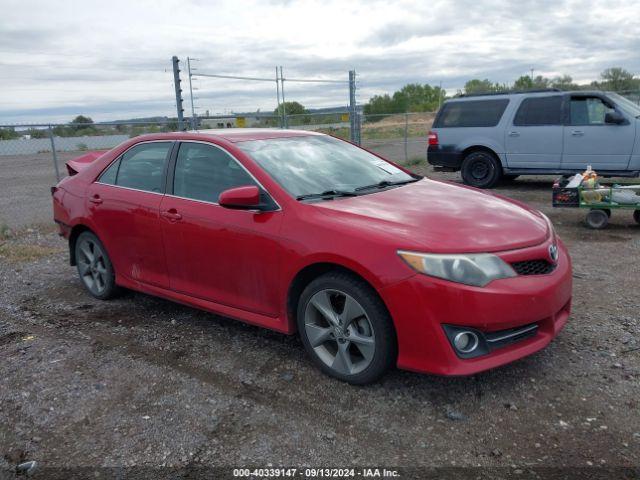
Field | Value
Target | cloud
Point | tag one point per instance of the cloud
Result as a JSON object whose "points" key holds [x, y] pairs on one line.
{"points": [[106, 59]]}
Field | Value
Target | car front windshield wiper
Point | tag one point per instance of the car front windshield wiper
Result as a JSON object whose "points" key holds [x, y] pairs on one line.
{"points": [[385, 183], [327, 194]]}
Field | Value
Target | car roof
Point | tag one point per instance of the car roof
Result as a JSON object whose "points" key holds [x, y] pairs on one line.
{"points": [[247, 134]]}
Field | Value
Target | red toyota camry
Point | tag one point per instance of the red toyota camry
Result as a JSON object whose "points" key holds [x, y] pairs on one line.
{"points": [[301, 232]]}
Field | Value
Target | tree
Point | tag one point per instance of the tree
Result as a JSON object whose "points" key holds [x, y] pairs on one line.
{"points": [[525, 82], [81, 119], [618, 79], [483, 86], [413, 97], [564, 82], [290, 108], [8, 134]]}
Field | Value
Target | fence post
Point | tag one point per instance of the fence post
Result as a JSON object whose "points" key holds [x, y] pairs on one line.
{"points": [[278, 99], [284, 106], [55, 156], [354, 122], [177, 83], [406, 135]]}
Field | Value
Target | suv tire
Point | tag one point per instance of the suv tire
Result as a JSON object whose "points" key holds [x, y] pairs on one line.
{"points": [[481, 170]]}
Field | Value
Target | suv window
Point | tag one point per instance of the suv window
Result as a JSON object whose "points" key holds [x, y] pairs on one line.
{"points": [[472, 113], [203, 172], [539, 111], [141, 167], [588, 110]]}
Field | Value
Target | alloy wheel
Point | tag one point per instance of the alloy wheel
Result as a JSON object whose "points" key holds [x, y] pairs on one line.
{"points": [[339, 331], [92, 266]]}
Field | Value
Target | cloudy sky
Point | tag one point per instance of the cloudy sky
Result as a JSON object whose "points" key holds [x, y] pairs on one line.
{"points": [[112, 59]]}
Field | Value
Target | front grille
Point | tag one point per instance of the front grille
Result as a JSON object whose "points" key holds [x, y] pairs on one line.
{"points": [[533, 267]]}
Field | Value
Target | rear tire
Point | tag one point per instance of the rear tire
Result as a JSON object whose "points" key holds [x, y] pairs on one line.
{"points": [[94, 267], [636, 216], [481, 169], [597, 219], [346, 329]]}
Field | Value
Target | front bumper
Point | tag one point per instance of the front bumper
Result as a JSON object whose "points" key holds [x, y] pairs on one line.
{"points": [[420, 306]]}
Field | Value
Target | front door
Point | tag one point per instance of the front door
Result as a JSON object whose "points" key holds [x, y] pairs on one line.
{"points": [[534, 139], [124, 205], [231, 257], [588, 140]]}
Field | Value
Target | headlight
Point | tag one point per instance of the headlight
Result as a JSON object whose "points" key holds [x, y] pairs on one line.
{"points": [[471, 269]]}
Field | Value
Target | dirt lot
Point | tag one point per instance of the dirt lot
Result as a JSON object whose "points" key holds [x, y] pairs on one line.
{"points": [[140, 381]]}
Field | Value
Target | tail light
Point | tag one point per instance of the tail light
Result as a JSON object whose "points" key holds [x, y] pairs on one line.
{"points": [[433, 138]]}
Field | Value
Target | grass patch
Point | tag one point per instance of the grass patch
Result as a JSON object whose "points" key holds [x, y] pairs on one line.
{"points": [[5, 232], [21, 253], [414, 162]]}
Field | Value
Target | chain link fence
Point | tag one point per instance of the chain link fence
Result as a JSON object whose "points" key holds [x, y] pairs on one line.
{"points": [[400, 137]]}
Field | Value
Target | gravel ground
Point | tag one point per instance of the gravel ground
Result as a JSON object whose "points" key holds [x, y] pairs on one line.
{"points": [[144, 382]]}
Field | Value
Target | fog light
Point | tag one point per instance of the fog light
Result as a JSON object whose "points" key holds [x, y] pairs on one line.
{"points": [[466, 342]]}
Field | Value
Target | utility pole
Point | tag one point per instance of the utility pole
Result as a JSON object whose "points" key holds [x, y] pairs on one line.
{"points": [[532, 74], [284, 106], [278, 97], [354, 124], [177, 84], [193, 109]]}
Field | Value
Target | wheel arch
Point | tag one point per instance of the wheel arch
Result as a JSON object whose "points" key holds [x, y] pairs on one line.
{"points": [[76, 230], [481, 148], [310, 272]]}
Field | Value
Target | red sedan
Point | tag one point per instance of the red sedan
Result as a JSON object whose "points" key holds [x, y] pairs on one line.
{"points": [[301, 232]]}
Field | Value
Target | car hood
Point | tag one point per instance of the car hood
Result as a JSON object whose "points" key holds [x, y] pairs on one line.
{"points": [[440, 217]]}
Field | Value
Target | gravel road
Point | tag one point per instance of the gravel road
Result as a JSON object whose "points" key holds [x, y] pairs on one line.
{"points": [[144, 382]]}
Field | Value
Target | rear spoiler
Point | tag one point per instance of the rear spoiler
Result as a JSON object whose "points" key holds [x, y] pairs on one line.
{"points": [[80, 163]]}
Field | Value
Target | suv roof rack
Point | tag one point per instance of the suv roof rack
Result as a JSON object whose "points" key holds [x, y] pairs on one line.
{"points": [[510, 92]]}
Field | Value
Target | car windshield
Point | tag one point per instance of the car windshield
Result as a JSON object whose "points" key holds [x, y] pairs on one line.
{"points": [[625, 104], [313, 165]]}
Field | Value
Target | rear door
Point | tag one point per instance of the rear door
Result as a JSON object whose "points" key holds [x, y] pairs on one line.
{"points": [[227, 256], [534, 137], [124, 205], [588, 140]]}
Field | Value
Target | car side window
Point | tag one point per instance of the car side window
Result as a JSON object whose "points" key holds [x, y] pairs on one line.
{"points": [[203, 172], [588, 110], [110, 174], [142, 167], [536, 111]]}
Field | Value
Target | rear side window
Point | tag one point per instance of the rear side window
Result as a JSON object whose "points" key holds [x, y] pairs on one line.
{"points": [[203, 172], [474, 113], [110, 174], [142, 167], [539, 111]]}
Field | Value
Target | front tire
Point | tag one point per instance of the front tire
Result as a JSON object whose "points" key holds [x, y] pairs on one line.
{"points": [[481, 169], [346, 329], [94, 267]]}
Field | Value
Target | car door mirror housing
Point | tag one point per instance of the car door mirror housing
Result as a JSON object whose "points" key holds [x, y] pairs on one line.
{"points": [[242, 198], [614, 117]]}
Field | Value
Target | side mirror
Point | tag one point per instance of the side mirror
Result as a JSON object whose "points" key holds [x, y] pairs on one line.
{"points": [[614, 117], [241, 198]]}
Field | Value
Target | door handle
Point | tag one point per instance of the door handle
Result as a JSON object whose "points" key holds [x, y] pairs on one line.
{"points": [[171, 215], [96, 199], [514, 134], [577, 133]]}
